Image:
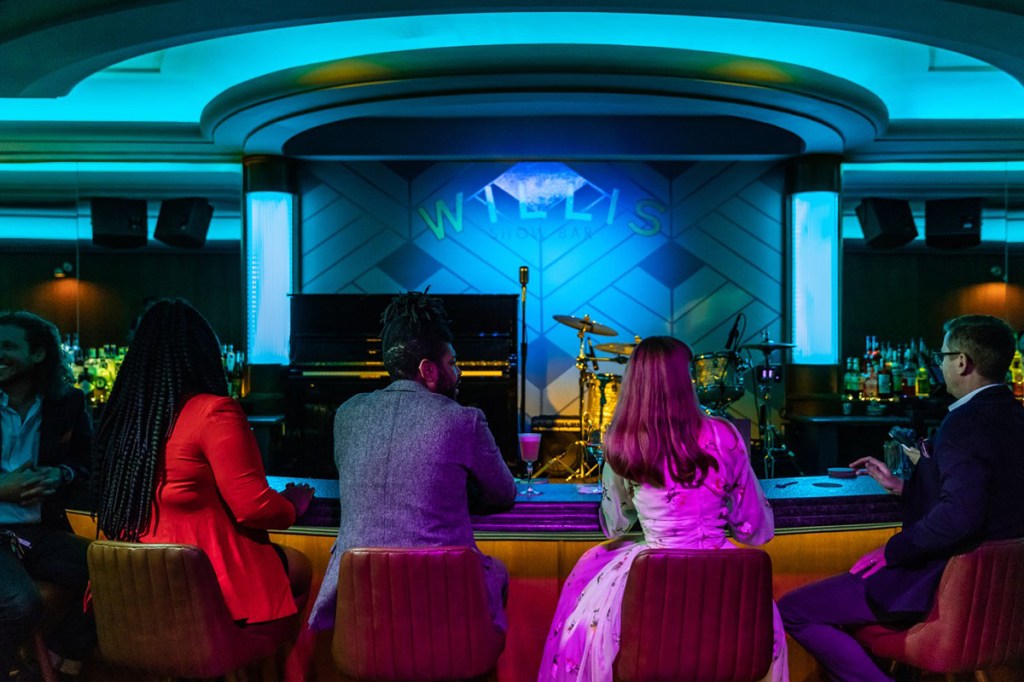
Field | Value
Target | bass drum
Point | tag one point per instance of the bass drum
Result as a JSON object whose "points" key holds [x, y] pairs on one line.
{"points": [[717, 378]]}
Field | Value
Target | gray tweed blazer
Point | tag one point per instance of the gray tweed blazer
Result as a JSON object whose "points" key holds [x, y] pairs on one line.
{"points": [[410, 462]]}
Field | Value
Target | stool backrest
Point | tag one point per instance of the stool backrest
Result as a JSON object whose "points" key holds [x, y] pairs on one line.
{"points": [[978, 618], [697, 615], [159, 608], [414, 614]]}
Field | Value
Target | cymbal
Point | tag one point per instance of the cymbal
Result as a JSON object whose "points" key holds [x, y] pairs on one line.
{"points": [[767, 346], [586, 324], [616, 348]]}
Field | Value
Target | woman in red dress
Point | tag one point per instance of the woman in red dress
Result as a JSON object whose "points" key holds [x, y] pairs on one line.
{"points": [[176, 462]]}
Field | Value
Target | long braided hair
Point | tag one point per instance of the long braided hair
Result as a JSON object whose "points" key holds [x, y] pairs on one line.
{"points": [[173, 356]]}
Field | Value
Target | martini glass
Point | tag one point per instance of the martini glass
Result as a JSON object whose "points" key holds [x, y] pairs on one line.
{"points": [[529, 449]]}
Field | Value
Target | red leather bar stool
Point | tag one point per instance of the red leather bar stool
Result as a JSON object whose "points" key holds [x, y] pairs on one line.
{"points": [[414, 615], [696, 615], [976, 622], [159, 609]]}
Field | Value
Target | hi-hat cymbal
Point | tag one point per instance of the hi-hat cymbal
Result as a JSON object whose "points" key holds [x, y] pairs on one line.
{"points": [[767, 346], [586, 324], [616, 348]]}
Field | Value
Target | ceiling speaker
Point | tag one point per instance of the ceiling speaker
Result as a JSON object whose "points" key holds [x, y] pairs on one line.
{"points": [[952, 223], [184, 222], [887, 223], [119, 223]]}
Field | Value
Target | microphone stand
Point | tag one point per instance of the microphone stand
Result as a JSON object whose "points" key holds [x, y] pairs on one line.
{"points": [[524, 277]]}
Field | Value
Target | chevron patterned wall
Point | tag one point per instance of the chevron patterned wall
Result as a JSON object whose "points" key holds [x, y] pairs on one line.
{"points": [[646, 249]]}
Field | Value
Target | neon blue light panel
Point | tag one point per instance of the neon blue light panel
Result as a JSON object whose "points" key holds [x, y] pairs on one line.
{"points": [[268, 258], [814, 273]]}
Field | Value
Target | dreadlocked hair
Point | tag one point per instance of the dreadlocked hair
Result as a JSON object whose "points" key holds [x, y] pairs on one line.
{"points": [[173, 355], [415, 327]]}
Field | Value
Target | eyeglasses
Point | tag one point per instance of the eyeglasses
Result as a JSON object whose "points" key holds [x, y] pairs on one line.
{"points": [[938, 356]]}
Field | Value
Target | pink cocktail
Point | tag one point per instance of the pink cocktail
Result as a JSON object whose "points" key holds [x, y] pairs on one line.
{"points": [[529, 446], [529, 450]]}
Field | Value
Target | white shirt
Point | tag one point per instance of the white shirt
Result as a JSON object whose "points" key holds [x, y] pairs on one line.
{"points": [[965, 399], [19, 445]]}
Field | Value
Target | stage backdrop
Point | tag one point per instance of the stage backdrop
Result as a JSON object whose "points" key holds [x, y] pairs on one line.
{"points": [[645, 248]]}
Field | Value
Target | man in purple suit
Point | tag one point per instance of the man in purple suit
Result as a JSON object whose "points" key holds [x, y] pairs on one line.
{"points": [[963, 491], [410, 459]]}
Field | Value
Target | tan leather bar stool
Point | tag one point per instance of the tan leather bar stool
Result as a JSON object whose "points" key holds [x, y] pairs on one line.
{"points": [[695, 615], [159, 609], [976, 622], [414, 615]]}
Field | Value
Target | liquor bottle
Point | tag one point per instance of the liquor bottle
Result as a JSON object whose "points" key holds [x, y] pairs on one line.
{"points": [[1017, 376], [923, 386], [871, 383], [885, 380]]}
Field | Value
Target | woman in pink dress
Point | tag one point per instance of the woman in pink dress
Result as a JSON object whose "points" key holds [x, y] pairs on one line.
{"points": [[686, 477]]}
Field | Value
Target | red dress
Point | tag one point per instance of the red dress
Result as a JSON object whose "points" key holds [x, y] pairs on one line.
{"points": [[212, 492]]}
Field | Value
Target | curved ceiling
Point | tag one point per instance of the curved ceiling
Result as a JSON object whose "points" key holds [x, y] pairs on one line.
{"points": [[182, 79]]}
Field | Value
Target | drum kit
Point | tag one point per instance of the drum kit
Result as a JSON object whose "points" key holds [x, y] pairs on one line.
{"points": [[718, 379]]}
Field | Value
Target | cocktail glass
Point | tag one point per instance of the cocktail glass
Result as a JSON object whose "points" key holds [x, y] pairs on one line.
{"points": [[529, 450]]}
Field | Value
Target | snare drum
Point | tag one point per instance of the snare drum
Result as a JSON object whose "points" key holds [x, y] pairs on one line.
{"points": [[717, 377], [602, 394]]}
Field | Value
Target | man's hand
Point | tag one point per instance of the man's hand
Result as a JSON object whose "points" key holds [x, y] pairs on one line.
{"points": [[870, 563], [878, 471], [26, 485]]}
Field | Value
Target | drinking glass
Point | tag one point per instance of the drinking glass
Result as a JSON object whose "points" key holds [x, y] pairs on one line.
{"points": [[529, 450]]}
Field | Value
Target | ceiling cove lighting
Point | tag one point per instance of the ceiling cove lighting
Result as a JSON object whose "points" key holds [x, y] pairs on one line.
{"points": [[190, 76], [268, 271]]}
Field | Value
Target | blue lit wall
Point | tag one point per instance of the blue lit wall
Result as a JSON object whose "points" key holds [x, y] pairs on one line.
{"points": [[647, 249]]}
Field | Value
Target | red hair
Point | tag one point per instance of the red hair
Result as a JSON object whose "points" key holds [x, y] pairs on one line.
{"points": [[657, 418]]}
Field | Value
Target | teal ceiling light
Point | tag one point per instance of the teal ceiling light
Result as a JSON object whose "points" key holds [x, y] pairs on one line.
{"points": [[914, 81]]}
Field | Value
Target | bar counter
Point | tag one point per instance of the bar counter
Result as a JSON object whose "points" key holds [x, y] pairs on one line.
{"points": [[568, 510]]}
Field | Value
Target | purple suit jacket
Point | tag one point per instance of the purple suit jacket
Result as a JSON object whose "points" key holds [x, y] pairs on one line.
{"points": [[410, 463]]}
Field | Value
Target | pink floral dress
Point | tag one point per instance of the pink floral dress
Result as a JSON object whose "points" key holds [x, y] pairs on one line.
{"points": [[584, 636]]}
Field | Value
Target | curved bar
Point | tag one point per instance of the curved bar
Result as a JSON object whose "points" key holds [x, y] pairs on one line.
{"points": [[800, 504]]}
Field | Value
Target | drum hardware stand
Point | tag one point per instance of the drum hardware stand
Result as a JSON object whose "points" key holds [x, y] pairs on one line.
{"points": [[581, 365], [765, 375], [581, 469]]}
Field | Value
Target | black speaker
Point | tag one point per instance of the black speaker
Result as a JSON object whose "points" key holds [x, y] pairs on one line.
{"points": [[952, 223], [119, 222], [887, 223], [184, 222]]}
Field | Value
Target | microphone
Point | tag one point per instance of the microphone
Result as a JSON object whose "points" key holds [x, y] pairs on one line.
{"points": [[734, 333], [524, 275]]}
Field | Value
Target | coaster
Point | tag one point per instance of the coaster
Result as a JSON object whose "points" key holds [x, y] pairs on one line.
{"points": [[841, 472]]}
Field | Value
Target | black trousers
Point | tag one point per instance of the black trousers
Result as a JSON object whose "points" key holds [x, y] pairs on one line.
{"points": [[55, 556]]}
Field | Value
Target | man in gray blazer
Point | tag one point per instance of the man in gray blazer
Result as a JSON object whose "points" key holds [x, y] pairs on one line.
{"points": [[410, 459]]}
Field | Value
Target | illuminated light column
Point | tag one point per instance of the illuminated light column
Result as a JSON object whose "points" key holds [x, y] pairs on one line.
{"points": [[270, 210], [814, 266]]}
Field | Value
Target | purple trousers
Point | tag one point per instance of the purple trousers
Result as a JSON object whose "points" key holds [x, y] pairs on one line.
{"points": [[820, 615]]}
